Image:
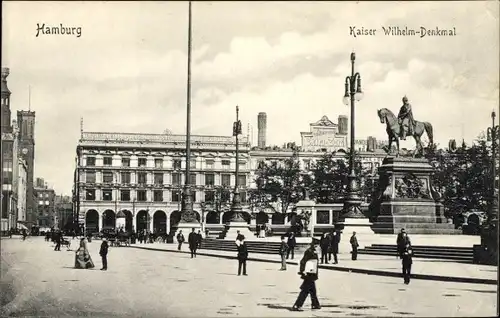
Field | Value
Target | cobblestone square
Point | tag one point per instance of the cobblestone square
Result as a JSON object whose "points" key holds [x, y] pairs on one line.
{"points": [[139, 283]]}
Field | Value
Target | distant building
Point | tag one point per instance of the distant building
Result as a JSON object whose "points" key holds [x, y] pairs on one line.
{"points": [[45, 205], [141, 176], [64, 212]]}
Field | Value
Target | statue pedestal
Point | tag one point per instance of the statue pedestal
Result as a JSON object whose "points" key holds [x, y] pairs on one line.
{"points": [[232, 231], [364, 232], [405, 199]]}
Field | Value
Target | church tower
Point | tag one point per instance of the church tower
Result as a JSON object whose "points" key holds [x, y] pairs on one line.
{"points": [[6, 126], [26, 124]]}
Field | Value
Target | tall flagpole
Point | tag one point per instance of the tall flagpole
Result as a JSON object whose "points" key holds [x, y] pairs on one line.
{"points": [[187, 214]]}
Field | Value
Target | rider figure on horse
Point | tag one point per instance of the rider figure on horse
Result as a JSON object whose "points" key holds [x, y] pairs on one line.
{"points": [[405, 119]]}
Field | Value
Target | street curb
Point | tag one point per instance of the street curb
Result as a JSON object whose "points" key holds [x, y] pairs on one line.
{"points": [[468, 280]]}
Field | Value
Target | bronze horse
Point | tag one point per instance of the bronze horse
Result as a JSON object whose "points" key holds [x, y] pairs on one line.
{"points": [[394, 130]]}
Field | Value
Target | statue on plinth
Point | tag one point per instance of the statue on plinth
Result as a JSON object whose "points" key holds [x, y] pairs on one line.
{"points": [[405, 125]]}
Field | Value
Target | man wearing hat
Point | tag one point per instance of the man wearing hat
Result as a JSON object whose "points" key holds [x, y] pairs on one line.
{"points": [[242, 256], [104, 254], [402, 241], [309, 273]]}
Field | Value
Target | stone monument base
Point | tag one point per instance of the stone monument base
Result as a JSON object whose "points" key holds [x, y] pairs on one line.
{"points": [[364, 232], [406, 199], [233, 227]]}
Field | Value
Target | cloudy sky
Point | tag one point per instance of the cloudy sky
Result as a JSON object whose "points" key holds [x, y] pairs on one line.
{"points": [[127, 71]]}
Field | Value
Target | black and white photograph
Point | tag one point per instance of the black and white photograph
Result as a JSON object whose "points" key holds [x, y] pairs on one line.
{"points": [[249, 159]]}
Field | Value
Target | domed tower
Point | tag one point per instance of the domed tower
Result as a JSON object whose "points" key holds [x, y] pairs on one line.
{"points": [[6, 127]]}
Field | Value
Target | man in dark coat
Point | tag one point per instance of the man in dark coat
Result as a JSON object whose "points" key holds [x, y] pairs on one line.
{"points": [[180, 240], [401, 242], [200, 239], [310, 276], [292, 242], [58, 238], [283, 252], [323, 244], [354, 245], [239, 236], [406, 262], [334, 247], [104, 254], [242, 256], [193, 242]]}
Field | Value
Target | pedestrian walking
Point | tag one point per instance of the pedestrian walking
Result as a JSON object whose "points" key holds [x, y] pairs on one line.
{"points": [[354, 245], [199, 237], [406, 262], [292, 243], [283, 252], [58, 238], [333, 248], [402, 240], [324, 243], [193, 242], [309, 273], [180, 240], [26, 234], [104, 254], [242, 256]]}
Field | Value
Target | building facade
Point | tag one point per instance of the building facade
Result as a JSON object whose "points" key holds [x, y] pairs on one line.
{"points": [[138, 179], [45, 197], [64, 212]]}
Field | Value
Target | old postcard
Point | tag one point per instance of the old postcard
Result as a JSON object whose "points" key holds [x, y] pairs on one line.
{"points": [[251, 159]]}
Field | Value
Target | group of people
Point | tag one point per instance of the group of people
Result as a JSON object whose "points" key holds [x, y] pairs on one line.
{"points": [[194, 241], [329, 245], [83, 260]]}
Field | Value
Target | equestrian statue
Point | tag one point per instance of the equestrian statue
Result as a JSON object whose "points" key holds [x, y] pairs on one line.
{"points": [[404, 125]]}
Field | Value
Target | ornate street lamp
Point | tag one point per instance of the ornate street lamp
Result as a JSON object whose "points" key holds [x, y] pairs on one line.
{"points": [[352, 92], [236, 210], [493, 134]]}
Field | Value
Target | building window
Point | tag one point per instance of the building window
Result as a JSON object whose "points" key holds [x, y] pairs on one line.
{"points": [[209, 163], [176, 196], [40, 195], [89, 177], [108, 161], [107, 177], [141, 177], [210, 196], [192, 179], [242, 180], [91, 161], [226, 180], [176, 178], [225, 195], [126, 177], [142, 162], [226, 164], [125, 162], [125, 195], [158, 178], [192, 164], [158, 163], [158, 195], [243, 164], [177, 164], [107, 195], [141, 195], [323, 217], [209, 179]]}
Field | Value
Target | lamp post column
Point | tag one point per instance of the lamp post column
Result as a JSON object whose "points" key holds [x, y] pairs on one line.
{"points": [[493, 137], [236, 215], [352, 92]]}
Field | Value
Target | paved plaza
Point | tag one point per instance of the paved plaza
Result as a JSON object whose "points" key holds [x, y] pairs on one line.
{"points": [[35, 280]]}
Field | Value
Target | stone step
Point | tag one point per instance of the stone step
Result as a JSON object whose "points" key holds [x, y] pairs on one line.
{"points": [[427, 247], [467, 259], [424, 252]]}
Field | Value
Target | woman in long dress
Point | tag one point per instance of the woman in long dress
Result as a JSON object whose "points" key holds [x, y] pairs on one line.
{"points": [[82, 257]]}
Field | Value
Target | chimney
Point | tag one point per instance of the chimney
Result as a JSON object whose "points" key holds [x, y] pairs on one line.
{"points": [[262, 126], [342, 122]]}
